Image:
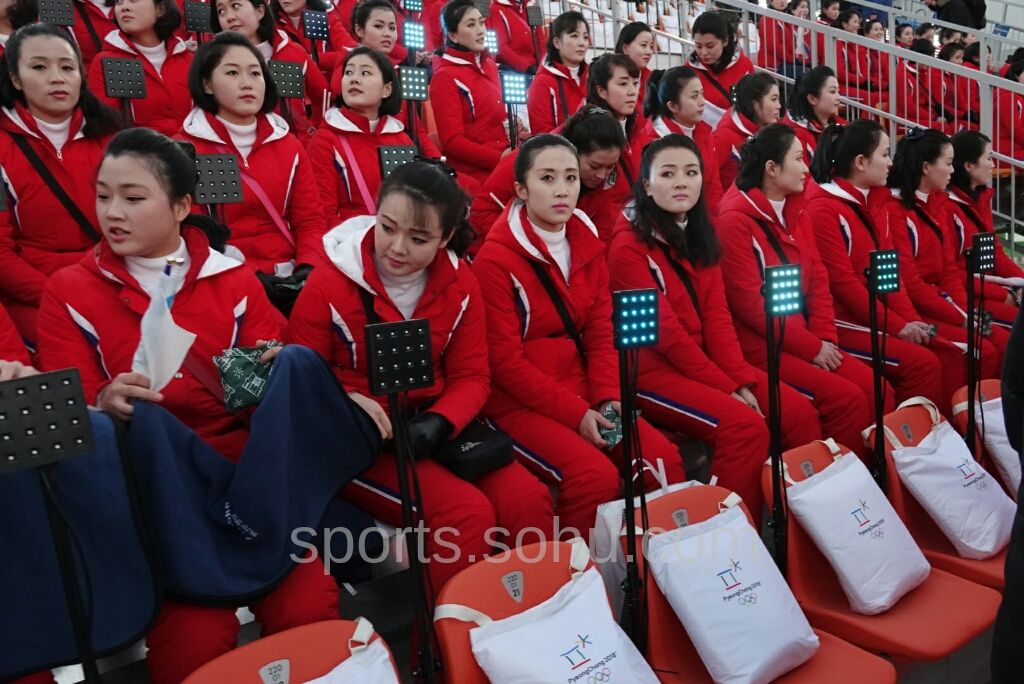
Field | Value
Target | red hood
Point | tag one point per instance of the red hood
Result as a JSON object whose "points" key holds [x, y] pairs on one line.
{"points": [[755, 205], [514, 232], [960, 197], [839, 189], [457, 59], [20, 121], [736, 122]]}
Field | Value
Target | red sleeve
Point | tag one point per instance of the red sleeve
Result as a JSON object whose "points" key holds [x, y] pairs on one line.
{"points": [[723, 151], [506, 53], [713, 191], [97, 85], [539, 105], [339, 35], [321, 158], [306, 213], [489, 203], [452, 129], [62, 344], [598, 341], [952, 278], [261, 321], [310, 321], [821, 316], [11, 346], [719, 333], [18, 278]]}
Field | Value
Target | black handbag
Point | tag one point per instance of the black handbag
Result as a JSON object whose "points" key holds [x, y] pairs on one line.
{"points": [[477, 451]]}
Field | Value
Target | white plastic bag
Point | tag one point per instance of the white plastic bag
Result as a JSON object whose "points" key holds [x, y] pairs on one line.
{"points": [[728, 593], [997, 443], [857, 530], [369, 664]]}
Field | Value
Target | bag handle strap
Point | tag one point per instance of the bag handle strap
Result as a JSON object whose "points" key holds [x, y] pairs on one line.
{"points": [[731, 501], [683, 275], [933, 410], [564, 100], [194, 365], [833, 448], [361, 637], [866, 220], [718, 86], [88, 26], [890, 436], [257, 190], [563, 312], [580, 557], [455, 611], [69, 204], [625, 171], [360, 182], [773, 241], [931, 223], [658, 473]]}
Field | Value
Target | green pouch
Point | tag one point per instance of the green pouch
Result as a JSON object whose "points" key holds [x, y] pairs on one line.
{"points": [[242, 375], [613, 436]]}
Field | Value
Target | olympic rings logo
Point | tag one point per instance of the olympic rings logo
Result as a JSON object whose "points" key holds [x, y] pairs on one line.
{"points": [[604, 675], [981, 485], [878, 534], [748, 599]]}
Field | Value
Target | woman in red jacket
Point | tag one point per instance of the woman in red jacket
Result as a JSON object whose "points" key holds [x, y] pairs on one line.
{"points": [[826, 15], [93, 21], [49, 110], [674, 103], [636, 41], [763, 210], [280, 223], [756, 104], [599, 140], [552, 385], [969, 211], [330, 51], [613, 85], [518, 42], [560, 86], [877, 61], [254, 20], [147, 33], [695, 380], [90, 319], [852, 60], [776, 51], [1008, 127], [404, 265], [719, 63], [850, 167], [814, 105]]}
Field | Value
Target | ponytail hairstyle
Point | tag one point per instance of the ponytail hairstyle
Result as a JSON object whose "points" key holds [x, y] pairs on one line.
{"points": [[591, 129], [793, 4], [918, 147], [600, 75], [968, 146], [750, 89], [924, 28], [361, 13], [1016, 56], [166, 23], [828, 3], [972, 54], [173, 163], [697, 244], [900, 28], [665, 87], [950, 49], [844, 18], [209, 55], [770, 144], [533, 146], [431, 185], [566, 22], [811, 82], [99, 118], [451, 14], [629, 33], [715, 23], [1013, 73], [315, 5], [266, 30], [390, 105], [923, 46], [839, 146]]}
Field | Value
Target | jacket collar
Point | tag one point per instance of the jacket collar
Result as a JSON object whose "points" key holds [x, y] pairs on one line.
{"points": [[515, 232], [121, 41], [279, 40], [846, 191], [960, 197], [664, 126], [740, 123], [562, 71], [205, 126], [477, 64], [697, 64], [345, 120], [22, 121]]}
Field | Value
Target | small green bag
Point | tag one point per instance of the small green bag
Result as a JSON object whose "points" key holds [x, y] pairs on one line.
{"points": [[613, 436], [242, 375]]}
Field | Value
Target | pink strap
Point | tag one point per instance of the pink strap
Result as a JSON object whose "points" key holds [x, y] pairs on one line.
{"points": [[253, 185], [360, 183]]}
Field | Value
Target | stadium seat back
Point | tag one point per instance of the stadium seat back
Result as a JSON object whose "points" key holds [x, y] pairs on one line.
{"points": [[990, 389]]}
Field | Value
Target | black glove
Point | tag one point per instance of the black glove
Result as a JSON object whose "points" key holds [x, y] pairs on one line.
{"points": [[531, 71], [972, 116], [283, 291], [426, 432]]}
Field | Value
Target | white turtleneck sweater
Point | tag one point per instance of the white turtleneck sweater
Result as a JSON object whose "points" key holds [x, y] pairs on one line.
{"points": [[778, 206], [405, 291], [147, 271], [57, 134], [558, 247], [266, 49], [244, 137], [155, 55], [575, 73], [923, 196]]}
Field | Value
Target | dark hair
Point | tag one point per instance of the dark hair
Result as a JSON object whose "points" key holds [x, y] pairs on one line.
{"points": [[947, 33], [173, 164], [825, 5], [390, 105], [631, 32], [166, 24], [533, 146], [972, 53], [968, 146], [811, 82], [452, 14], [361, 12], [566, 22], [923, 46], [839, 145], [865, 28], [22, 13], [266, 29], [315, 5], [1015, 70], [698, 243], [209, 55], [900, 28], [591, 129], [99, 118], [1016, 56], [844, 18], [718, 25], [917, 148], [771, 143], [427, 185], [600, 74], [750, 89], [950, 49], [793, 4], [664, 87], [924, 28]]}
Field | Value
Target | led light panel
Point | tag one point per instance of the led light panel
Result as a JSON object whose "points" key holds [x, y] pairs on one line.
{"points": [[983, 252], [783, 293], [412, 82], [884, 273], [513, 87], [635, 318], [414, 36]]}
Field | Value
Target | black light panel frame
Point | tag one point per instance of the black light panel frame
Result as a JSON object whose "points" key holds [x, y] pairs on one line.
{"points": [[197, 17], [783, 291], [414, 35], [399, 356], [124, 78], [635, 318], [983, 253], [393, 156], [413, 5], [534, 16], [513, 88], [57, 12], [220, 181], [484, 6], [288, 78], [884, 271], [413, 83], [314, 25]]}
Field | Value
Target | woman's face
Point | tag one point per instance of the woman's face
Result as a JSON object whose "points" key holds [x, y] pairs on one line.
{"points": [[981, 170], [50, 77], [832, 12], [552, 187], [877, 32], [241, 16], [380, 32], [675, 182], [957, 57], [935, 175], [136, 16], [596, 166], [640, 50], [708, 47], [852, 25], [826, 105], [779, 5], [471, 33], [238, 86], [403, 244], [801, 11], [906, 38], [875, 169], [790, 175], [136, 216], [572, 46], [5, 5], [292, 7], [689, 108], [621, 92], [362, 85], [768, 108]]}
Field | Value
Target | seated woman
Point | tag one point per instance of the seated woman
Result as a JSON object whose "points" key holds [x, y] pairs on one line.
{"points": [[719, 63], [696, 380], [280, 223], [636, 41], [763, 210], [1008, 117], [756, 104], [877, 62], [41, 233], [255, 20], [330, 51], [815, 105], [553, 380], [91, 319], [674, 103], [147, 33], [613, 85], [516, 38], [850, 168], [776, 51], [399, 265], [560, 86], [969, 211], [852, 60], [598, 139], [93, 20]]}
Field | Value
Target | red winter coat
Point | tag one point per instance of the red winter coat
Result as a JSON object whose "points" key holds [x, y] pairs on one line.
{"points": [[777, 43], [333, 166], [515, 36], [167, 100], [37, 234], [700, 345], [878, 71], [727, 139], [851, 66], [92, 314], [317, 96], [329, 318], [12, 347], [845, 242], [914, 83], [469, 112], [101, 19], [807, 132], [927, 264], [718, 87], [968, 216], [279, 164], [968, 94], [1008, 133], [659, 127], [549, 105], [330, 52], [746, 251], [534, 362]]}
